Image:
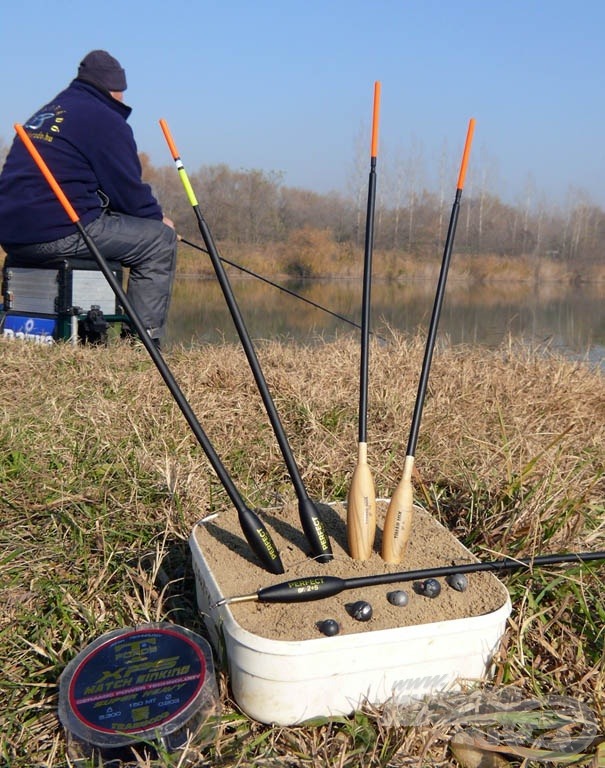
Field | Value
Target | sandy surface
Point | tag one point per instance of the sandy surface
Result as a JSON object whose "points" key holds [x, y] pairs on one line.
{"points": [[237, 572]]}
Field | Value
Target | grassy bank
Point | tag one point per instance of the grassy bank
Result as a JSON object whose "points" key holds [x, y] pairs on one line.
{"points": [[314, 254], [102, 482]]}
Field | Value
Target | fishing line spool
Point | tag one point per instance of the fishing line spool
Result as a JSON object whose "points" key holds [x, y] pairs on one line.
{"points": [[139, 690]]}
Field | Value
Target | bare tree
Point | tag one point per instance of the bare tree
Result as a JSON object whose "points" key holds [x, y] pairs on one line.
{"points": [[445, 167], [357, 183], [414, 172], [3, 152], [394, 175], [488, 175]]}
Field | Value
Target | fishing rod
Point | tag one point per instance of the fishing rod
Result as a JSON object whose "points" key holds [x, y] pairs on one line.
{"points": [[399, 516], [361, 499], [311, 588], [275, 285], [313, 526], [254, 530]]}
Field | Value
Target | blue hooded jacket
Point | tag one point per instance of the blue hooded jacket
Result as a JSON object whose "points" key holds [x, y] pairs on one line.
{"points": [[88, 146]]}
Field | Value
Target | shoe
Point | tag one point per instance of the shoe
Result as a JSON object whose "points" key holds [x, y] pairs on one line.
{"points": [[127, 334]]}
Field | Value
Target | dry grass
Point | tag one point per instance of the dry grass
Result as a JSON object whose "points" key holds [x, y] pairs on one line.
{"points": [[102, 482], [314, 253]]}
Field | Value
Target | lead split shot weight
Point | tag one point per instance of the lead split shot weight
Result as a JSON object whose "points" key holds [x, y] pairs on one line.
{"points": [[360, 610], [328, 627], [429, 588], [398, 597]]}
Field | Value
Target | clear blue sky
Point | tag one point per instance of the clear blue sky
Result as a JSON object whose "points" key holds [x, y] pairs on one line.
{"points": [[285, 85]]}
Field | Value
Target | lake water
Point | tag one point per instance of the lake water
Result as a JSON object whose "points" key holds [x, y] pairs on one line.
{"points": [[570, 319]]}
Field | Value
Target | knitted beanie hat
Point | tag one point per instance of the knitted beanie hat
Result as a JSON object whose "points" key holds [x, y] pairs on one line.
{"points": [[101, 69]]}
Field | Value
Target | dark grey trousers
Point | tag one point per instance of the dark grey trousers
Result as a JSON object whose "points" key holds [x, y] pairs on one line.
{"points": [[146, 246]]}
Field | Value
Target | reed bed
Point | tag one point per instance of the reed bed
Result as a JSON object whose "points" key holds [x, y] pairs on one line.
{"points": [[102, 482]]}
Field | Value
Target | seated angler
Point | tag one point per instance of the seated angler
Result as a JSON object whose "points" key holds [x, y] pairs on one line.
{"points": [[84, 137]]}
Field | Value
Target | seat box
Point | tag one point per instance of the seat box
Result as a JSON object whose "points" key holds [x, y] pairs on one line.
{"points": [[58, 290], [46, 303]]}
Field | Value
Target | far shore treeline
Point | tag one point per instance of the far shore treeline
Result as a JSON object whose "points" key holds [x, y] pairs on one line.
{"points": [[300, 233]]}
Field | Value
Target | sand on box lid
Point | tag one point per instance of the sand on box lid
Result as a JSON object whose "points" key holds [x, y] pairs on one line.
{"points": [[237, 572]]}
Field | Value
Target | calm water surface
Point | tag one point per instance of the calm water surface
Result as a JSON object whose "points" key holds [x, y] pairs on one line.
{"points": [[570, 319]]}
